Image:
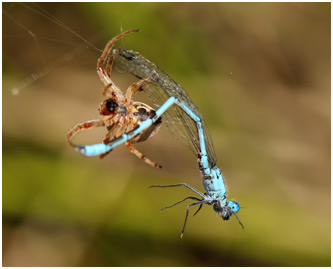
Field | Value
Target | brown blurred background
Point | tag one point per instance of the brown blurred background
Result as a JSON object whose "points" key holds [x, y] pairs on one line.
{"points": [[260, 75]]}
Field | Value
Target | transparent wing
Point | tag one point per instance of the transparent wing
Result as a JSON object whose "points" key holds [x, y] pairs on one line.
{"points": [[180, 125]]}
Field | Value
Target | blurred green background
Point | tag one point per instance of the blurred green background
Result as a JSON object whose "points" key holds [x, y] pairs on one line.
{"points": [[260, 75]]}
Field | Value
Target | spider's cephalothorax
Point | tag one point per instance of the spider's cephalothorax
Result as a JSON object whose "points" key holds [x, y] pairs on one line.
{"points": [[119, 114], [111, 107], [121, 118]]}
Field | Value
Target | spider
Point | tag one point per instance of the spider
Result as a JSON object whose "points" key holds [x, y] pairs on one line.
{"points": [[118, 112]]}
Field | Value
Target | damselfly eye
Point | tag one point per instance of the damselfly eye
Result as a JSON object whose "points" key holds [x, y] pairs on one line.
{"points": [[111, 105]]}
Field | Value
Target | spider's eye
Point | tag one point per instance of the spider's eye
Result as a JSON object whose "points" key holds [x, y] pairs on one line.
{"points": [[108, 107], [111, 105]]}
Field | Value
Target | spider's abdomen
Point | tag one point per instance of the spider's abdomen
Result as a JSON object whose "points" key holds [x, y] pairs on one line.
{"points": [[143, 113]]}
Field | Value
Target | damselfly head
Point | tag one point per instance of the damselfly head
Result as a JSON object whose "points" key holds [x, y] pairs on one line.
{"points": [[234, 206], [225, 211]]}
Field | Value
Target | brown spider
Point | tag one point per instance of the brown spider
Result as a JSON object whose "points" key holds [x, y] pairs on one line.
{"points": [[118, 112]]}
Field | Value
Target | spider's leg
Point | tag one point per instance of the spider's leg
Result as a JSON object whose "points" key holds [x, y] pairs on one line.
{"points": [[83, 126], [109, 65], [109, 45], [114, 131], [110, 87], [106, 139], [137, 87], [140, 155], [103, 75]]}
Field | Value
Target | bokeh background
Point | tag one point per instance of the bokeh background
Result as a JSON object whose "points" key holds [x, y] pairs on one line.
{"points": [[260, 75]]}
